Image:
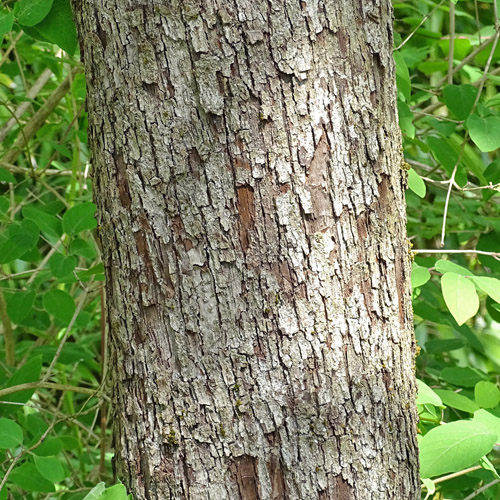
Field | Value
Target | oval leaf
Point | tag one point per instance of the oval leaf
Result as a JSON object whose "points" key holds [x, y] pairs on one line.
{"points": [[419, 275], [446, 266], [489, 285], [485, 132], [11, 435], [46, 222], [455, 400], [59, 304], [58, 26], [79, 218], [31, 12], [19, 305], [460, 296], [416, 183], [50, 468], [426, 395], [62, 266], [27, 477], [459, 99], [455, 446], [486, 394]]}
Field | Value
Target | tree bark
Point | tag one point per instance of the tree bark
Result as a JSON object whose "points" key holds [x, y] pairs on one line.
{"points": [[247, 163]]}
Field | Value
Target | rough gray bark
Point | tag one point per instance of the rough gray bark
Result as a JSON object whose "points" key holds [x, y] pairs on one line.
{"points": [[251, 206]]}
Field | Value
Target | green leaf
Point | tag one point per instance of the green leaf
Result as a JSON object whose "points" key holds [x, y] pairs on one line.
{"points": [[454, 446], [22, 238], [96, 492], [455, 400], [31, 12], [6, 22], [29, 372], [47, 223], [405, 117], [426, 395], [489, 285], [27, 477], [6, 176], [419, 275], [460, 296], [459, 99], [82, 249], [62, 266], [50, 468], [446, 266], [486, 394], [416, 183], [59, 304], [489, 243], [50, 447], [58, 26], [462, 376], [444, 153], [19, 305], [429, 485], [116, 492], [402, 76], [443, 345], [4, 205], [489, 420], [485, 132], [11, 435], [79, 218]]}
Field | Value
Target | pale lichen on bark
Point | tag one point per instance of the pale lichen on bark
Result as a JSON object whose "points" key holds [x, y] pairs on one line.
{"points": [[246, 157]]}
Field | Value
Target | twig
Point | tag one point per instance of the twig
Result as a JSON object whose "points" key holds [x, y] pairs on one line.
{"points": [[66, 335], [495, 255], [466, 136], [452, 43], [418, 26], [38, 119], [20, 170], [456, 474], [10, 354], [45, 385], [23, 106], [483, 488]]}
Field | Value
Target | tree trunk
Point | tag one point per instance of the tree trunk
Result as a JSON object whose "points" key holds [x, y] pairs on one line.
{"points": [[247, 167]]}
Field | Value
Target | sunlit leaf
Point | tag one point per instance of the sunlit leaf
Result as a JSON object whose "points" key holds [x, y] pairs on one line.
{"points": [[454, 446], [460, 296]]}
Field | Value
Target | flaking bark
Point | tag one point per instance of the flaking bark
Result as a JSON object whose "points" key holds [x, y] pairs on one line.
{"points": [[247, 158]]}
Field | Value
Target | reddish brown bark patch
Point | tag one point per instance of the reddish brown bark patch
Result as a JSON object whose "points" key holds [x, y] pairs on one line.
{"points": [[343, 491], [277, 479], [122, 181], [245, 474], [246, 210]]}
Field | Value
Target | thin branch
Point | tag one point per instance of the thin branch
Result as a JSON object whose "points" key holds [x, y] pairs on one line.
{"points": [[23, 106], [38, 119], [7, 53], [483, 488], [466, 136], [8, 336], [418, 26], [45, 385], [456, 474], [20, 170], [467, 59], [66, 335], [495, 255], [452, 43]]}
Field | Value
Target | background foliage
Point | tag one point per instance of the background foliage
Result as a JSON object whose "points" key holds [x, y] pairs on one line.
{"points": [[54, 436]]}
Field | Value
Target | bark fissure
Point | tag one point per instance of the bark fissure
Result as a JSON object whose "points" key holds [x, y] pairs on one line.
{"points": [[247, 175]]}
